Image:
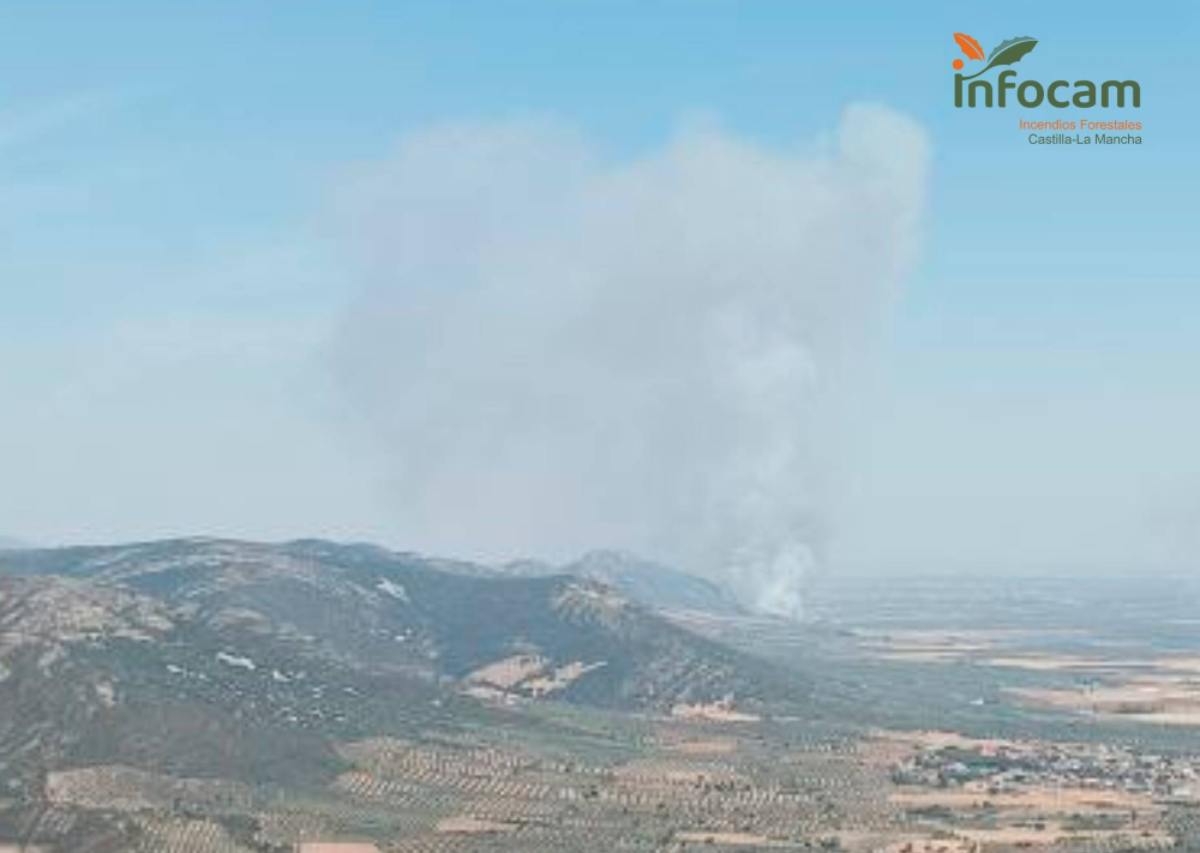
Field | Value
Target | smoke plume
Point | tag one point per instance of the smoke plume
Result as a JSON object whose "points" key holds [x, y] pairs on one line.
{"points": [[557, 351]]}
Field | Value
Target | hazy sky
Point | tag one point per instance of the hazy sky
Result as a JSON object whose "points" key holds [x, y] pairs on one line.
{"points": [[188, 238]]}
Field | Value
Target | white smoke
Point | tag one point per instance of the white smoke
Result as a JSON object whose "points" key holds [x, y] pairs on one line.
{"points": [[559, 352]]}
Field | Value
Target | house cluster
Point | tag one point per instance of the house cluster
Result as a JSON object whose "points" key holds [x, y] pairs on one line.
{"points": [[1015, 766]]}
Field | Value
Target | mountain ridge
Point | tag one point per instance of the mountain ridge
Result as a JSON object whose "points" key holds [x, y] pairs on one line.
{"points": [[383, 612]]}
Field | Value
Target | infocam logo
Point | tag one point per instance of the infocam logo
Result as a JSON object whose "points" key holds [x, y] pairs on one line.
{"points": [[996, 92]]}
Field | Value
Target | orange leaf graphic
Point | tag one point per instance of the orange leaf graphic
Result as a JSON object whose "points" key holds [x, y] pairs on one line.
{"points": [[969, 46]]}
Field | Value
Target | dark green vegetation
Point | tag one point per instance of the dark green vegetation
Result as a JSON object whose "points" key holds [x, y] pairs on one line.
{"points": [[208, 695], [203, 658], [644, 581], [360, 609]]}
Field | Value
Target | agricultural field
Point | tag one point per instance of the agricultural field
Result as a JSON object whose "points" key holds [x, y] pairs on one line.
{"points": [[670, 783], [212, 696]]}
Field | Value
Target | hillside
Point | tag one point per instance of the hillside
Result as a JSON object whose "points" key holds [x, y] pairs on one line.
{"points": [[253, 663], [273, 634], [645, 581], [384, 613]]}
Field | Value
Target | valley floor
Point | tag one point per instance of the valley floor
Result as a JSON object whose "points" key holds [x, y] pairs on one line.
{"points": [[938, 718]]}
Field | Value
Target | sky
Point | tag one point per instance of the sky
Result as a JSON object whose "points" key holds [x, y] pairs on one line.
{"points": [[190, 237]]}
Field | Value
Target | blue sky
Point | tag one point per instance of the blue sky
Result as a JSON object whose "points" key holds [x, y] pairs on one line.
{"points": [[169, 166]]}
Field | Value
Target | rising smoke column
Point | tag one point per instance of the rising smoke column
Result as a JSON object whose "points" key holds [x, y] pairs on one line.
{"points": [[559, 352]]}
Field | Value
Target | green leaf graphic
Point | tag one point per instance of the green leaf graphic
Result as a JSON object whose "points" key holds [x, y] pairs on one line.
{"points": [[1007, 53]]}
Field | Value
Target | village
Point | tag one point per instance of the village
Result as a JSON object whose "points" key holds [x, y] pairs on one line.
{"points": [[998, 767]]}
